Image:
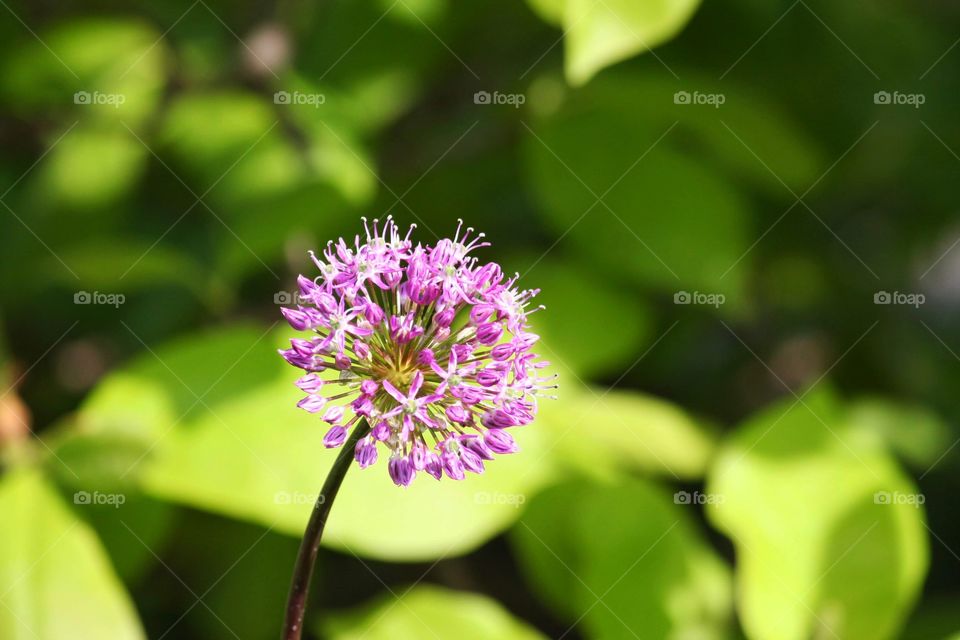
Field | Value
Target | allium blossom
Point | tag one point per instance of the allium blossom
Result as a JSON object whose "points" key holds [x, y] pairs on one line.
{"points": [[425, 343]]}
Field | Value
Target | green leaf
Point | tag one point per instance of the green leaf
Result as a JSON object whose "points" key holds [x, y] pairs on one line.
{"points": [[271, 463], [601, 432], [92, 166], [599, 34], [812, 506], [650, 220], [233, 140], [236, 141], [119, 65], [623, 561], [132, 410], [270, 457], [57, 580], [549, 10], [915, 433], [311, 210], [566, 290], [426, 612], [98, 262]]}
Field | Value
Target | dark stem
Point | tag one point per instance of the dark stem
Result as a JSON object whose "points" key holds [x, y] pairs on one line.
{"points": [[303, 569]]}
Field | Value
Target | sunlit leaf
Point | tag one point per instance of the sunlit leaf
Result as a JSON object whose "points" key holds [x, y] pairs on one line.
{"points": [[600, 431], [813, 506], [56, 577], [598, 34], [271, 459], [272, 463], [427, 611], [623, 561], [913, 432]]}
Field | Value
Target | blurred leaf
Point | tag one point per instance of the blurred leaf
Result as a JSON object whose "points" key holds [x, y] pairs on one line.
{"points": [[246, 570], [650, 221], [99, 262], [599, 34], [102, 462], [913, 432], [92, 166], [272, 462], [748, 136], [345, 163], [131, 411], [426, 611], [812, 509], [623, 561], [549, 10], [337, 45], [271, 459], [935, 619], [602, 431], [270, 226], [150, 520], [241, 149], [118, 66], [52, 562], [233, 143], [417, 12], [567, 290]]}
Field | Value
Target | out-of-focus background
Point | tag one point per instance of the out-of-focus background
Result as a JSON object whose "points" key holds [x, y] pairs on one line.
{"points": [[743, 218]]}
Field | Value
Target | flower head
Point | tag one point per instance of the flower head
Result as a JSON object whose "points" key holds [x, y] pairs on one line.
{"points": [[425, 343]]}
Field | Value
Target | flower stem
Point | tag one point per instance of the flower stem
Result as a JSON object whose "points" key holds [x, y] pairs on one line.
{"points": [[307, 556]]}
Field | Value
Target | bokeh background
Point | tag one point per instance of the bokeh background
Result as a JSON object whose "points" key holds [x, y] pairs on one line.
{"points": [[742, 216]]}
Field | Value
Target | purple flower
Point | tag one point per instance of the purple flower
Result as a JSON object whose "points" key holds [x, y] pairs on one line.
{"points": [[424, 342], [401, 470], [335, 437]]}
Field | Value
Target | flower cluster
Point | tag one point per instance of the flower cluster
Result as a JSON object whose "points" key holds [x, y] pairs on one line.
{"points": [[424, 343]]}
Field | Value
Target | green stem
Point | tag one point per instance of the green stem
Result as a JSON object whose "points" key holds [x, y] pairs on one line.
{"points": [[306, 558]]}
